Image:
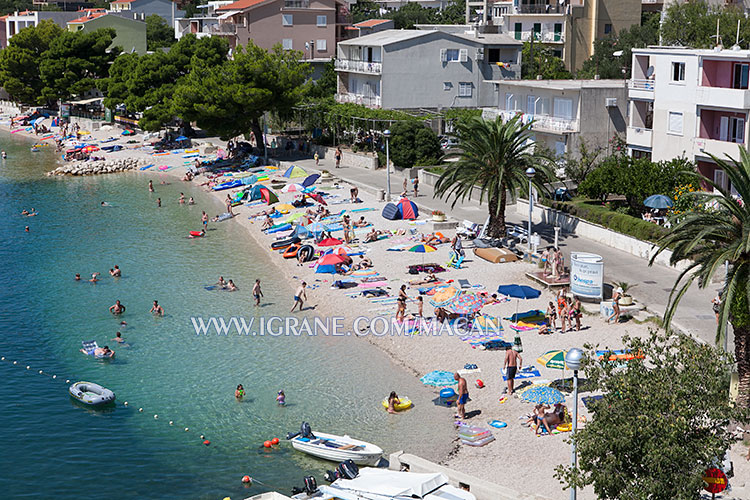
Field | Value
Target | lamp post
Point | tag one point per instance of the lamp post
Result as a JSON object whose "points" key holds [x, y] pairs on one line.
{"points": [[530, 173], [573, 360], [387, 135]]}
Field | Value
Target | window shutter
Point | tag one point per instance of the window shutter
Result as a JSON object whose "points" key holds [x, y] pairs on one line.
{"points": [[444, 55], [463, 55]]}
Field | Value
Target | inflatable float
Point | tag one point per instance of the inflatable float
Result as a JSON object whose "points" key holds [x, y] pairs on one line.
{"points": [[278, 245], [278, 228], [291, 251], [228, 185], [306, 252], [403, 404], [196, 234], [91, 394]]}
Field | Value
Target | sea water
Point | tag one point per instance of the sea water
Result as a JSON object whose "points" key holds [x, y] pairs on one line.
{"points": [[54, 447]]}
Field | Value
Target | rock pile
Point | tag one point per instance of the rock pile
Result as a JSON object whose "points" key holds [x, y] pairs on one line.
{"points": [[99, 167]]}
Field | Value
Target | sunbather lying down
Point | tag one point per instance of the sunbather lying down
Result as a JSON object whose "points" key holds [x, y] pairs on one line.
{"points": [[431, 278], [373, 235], [432, 239]]}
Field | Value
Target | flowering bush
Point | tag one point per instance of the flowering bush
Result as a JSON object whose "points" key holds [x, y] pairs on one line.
{"points": [[684, 201], [437, 212]]}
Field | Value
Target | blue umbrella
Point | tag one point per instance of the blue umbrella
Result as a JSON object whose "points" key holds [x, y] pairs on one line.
{"points": [[318, 227], [658, 201], [438, 378], [543, 395], [519, 291], [310, 180]]}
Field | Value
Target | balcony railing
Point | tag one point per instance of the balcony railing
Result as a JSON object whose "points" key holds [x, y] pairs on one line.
{"points": [[369, 101], [222, 29], [374, 68], [543, 36], [545, 122], [641, 84], [539, 9], [297, 4]]}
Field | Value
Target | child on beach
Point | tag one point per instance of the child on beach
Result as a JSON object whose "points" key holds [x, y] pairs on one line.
{"points": [[281, 398], [392, 402]]}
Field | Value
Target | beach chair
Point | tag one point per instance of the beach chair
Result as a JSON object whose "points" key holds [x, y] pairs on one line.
{"points": [[455, 260], [89, 346]]}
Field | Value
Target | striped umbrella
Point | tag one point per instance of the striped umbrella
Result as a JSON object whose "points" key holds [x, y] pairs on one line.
{"points": [[553, 359], [543, 395], [423, 249], [291, 188], [466, 303]]}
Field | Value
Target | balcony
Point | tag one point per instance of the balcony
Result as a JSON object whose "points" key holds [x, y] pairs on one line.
{"points": [[539, 9], [372, 68], [544, 123], [222, 29], [369, 101], [723, 97], [542, 37], [639, 137], [639, 88], [704, 147]]}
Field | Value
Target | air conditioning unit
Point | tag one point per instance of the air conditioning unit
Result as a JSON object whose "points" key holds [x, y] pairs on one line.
{"points": [[610, 102]]}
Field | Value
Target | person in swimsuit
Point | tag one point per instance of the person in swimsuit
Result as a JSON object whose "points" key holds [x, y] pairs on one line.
{"points": [[156, 309], [158, 202], [182, 199], [204, 219], [239, 393], [221, 282], [150, 186], [551, 315], [231, 286], [575, 313], [257, 292], [94, 278], [512, 361], [392, 402], [115, 273], [78, 277], [281, 398], [118, 338], [615, 306], [299, 297], [401, 300], [463, 396], [191, 201], [117, 308]]}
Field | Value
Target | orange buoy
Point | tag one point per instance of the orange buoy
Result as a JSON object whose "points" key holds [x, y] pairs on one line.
{"points": [[275, 441], [267, 444], [246, 479], [206, 442]]}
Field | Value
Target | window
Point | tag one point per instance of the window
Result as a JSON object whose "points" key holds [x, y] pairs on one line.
{"points": [[564, 108], [451, 55], [537, 31], [678, 71], [607, 29], [287, 20], [542, 106], [517, 28], [531, 104], [557, 53], [674, 126], [737, 130], [463, 55], [464, 89], [741, 76], [322, 21], [321, 45], [510, 102], [558, 32], [447, 85], [286, 43]]}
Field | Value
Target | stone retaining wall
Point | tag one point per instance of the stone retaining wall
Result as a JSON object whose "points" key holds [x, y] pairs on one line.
{"points": [[99, 167]]}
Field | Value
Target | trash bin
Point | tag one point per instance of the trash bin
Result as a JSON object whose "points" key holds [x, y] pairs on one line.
{"points": [[381, 195]]}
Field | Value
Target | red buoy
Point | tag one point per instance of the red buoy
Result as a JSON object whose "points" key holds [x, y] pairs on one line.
{"points": [[206, 442], [275, 441], [246, 479], [267, 444]]}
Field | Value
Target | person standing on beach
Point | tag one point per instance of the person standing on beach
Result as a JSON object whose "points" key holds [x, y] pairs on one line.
{"points": [[299, 297], [338, 157], [150, 186], [257, 292], [317, 159], [406, 186], [416, 187], [401, 304], [463, 396], [512, 361]]}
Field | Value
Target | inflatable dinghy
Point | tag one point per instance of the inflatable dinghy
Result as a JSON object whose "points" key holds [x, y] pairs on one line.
{"points": [[91, 394]]}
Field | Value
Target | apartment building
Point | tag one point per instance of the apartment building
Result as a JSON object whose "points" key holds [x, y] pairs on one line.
{"points": [[689, 102], [141, 9], [568, 27], [425, 69], [19, 20], [562, 112], [130, 34], [206, 22]]}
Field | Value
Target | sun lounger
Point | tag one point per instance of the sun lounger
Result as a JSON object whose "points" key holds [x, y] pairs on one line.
{"points": [[89, 346]]}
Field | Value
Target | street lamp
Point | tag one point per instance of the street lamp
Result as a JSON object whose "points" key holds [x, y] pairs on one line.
{"points": [[530, 173], [573, 360], [387, 135]]}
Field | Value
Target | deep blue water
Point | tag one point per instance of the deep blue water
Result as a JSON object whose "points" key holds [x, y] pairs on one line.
{"points": [[53, 447]]}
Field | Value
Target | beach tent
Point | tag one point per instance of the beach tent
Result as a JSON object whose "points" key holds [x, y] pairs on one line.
{"points": [[390, 212], [294, 171], [301, 232], [259, 192], [407, 209], [310, 180], [253, 193], [317, 197]]}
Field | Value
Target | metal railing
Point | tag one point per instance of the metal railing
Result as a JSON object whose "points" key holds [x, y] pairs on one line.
{"points": [[544, 121], [543, 36], [372, 101], [539, 9], [223, 29], [296, 4], [374, 68], [641, 84]]}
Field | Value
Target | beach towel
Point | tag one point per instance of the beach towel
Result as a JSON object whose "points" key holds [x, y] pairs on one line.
{"points": [[523, 373], [373, 284], [397, 248], [532, 316]]}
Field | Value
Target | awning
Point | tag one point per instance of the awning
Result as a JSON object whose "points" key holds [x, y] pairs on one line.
{"points": [[87, 101], [228, 14]]}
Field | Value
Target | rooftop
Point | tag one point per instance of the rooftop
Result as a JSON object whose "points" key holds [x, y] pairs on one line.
{"points": [[562, 84], [372, 22], [89, 16], [241, 5], [687, 51], [387, 37]]}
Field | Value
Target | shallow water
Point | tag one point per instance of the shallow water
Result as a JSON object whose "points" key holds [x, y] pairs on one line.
{"points": [[55, 447]]}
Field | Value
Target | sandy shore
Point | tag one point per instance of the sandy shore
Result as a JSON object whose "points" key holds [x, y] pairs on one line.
{"points": [[517, 459]]}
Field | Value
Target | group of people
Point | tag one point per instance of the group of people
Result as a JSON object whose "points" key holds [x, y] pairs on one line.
{"points": [[415, 186], [553, 262], [567, 309], [227, 285]]}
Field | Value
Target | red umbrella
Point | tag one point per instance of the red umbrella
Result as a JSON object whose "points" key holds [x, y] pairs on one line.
{"points": [[330, 242], [331, 259], [317, 197]]}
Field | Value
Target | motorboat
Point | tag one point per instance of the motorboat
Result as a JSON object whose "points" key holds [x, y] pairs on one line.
{"points": [[338, 448], [382, 484], [91, 394]]}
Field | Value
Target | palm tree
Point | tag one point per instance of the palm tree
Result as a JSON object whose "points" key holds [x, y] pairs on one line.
{"points": [[494, 157], [710, 239]]}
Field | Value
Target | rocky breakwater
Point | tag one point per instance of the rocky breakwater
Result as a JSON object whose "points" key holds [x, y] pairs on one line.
{"points": [[99, 167]]}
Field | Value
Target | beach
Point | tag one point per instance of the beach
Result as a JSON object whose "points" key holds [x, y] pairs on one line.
{"points": [[517, 459]]}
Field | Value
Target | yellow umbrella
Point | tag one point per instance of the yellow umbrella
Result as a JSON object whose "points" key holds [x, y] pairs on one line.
{"points": [[294, 217], [284, 208]]}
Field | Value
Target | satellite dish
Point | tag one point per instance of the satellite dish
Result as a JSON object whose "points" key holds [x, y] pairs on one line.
{"points": [[650, 72], [617, 53]]}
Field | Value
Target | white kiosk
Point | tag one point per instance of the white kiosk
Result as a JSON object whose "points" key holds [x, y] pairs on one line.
{"points": [[587, 275]]}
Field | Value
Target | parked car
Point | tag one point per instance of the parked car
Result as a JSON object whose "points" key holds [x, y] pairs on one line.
{"points": [[447, 143]]}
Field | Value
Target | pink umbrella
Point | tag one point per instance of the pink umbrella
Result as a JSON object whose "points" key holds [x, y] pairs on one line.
{"points": [[331, 259], [330, 242], [317, 197], [291, 188]]}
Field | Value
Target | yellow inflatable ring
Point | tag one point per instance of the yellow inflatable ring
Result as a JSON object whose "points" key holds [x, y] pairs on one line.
{"points": [[565, 427], [403, 404]]}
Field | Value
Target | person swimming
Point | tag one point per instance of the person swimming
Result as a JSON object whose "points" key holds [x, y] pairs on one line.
{"points": [[156, 309], [231, 286], [77, 277], [222, 283], [116, 273], [191, 201], [117, 308], [239, 393], [94, 277], [281, 398], [105, 204], [118, 338]]}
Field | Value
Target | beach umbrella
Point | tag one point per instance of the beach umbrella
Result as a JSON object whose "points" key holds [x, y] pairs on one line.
{"points": [[519, 292], [553, 359], [329, 242], [285, 208], [318, 227], [90, 149], [317, 197], [543, 395], [293, 217], [658, 201], [331, 259], [466, 303], [438, 378], [310, 180], [40, 119], [291, 188], [423, 249], [444, 296]]}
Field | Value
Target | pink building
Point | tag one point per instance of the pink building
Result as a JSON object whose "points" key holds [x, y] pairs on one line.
{"points": [[310, 26]]}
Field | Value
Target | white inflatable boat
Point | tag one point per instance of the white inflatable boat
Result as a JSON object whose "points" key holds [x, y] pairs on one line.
{"points": [[91, 394]]}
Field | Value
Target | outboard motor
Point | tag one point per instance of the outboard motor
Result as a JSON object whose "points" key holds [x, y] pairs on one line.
{"points": [[311, 485], [305, 431], [347, 470], [330, 476]]}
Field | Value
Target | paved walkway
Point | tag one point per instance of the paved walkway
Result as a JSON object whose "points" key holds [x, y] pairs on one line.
{"points": [[652, 284]]}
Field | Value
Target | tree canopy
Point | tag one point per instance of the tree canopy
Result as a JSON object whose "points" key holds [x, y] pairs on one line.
{"points": [[693, 24], [661, 422], [543, 62], [413, 144], [158, 33], [325, 85], [228, 99]]}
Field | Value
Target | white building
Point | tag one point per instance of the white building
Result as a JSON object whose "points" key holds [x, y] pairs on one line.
{"points": [[689, 102], [205, 23]]}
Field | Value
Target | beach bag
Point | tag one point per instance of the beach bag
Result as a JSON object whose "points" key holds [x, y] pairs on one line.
{"points": [[311, 485], [347, 469]]}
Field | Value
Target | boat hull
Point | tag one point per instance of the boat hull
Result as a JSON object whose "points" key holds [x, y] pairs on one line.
{"points": [[369, 455]]}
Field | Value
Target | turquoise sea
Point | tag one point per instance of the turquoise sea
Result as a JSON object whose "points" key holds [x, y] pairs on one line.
{"points": [[55, 448]]}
